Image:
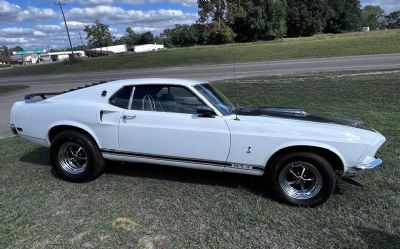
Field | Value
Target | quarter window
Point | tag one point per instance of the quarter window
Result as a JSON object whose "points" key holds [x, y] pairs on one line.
{"points": [[121, 98]]}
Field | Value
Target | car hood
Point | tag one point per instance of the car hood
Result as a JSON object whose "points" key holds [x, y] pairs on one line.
{"points": [[300, 114]]}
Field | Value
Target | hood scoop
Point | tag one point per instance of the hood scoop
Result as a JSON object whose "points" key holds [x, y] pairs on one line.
{"points": [[273, 111], [300, 114], [283, 111]]}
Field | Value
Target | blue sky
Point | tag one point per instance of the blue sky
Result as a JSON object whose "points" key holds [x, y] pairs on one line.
{"points": [[38, 24]]}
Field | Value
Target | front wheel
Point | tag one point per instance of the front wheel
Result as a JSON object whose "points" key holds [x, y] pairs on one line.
{"points": [[303, 179], [75, 156]]}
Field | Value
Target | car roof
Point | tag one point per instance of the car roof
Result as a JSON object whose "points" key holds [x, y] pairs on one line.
{"points": [[144, 81]]}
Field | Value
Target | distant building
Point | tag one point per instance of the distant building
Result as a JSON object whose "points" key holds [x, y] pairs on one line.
{"points": [[29, 52], [62, 56], [148, 48], [16, 59], [117, 49], [365, 29]]}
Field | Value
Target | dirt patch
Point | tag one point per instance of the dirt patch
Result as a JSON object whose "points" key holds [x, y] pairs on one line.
{"points": [[150, 241], [125, 223]]}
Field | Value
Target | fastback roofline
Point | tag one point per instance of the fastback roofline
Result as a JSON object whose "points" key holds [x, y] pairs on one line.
{"points": [[45, 95]]}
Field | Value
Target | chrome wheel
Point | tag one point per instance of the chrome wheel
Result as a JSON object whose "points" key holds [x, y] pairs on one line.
{"points": [[300, 180], [72, 158]]}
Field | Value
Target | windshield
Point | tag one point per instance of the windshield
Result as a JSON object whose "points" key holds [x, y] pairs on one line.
{"points": [[222, 103]]}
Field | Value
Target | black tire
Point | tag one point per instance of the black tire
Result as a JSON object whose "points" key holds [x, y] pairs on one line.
{"points": [[288, 186], [87, 163]]}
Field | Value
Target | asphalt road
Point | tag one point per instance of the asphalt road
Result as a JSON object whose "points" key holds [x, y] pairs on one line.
{"points": [[59, 82], [222, 71]]}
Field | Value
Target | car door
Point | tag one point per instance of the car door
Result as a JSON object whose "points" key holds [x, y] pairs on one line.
{"points": [[162, 122]]}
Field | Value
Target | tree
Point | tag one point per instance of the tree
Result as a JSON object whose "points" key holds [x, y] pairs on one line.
{"points": [[17, 48], [5, 53], [220, 33], [343, 16], [306, 18], [393, 20], [373, 17], [131, 38], [146, 38], [219, 10], [262, 20], [182, 35], [98, 35]]}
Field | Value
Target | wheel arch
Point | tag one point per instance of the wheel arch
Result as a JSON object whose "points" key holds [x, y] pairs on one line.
{"points": [[334, 158], [58, 128]]}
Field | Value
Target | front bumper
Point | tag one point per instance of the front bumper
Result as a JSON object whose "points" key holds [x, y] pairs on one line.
{"points": [[372, 165], [353, 171], [13, 129]]}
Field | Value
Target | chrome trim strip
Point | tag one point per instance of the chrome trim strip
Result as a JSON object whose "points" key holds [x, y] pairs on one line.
{"points": [[226, 165], [163, 157]]}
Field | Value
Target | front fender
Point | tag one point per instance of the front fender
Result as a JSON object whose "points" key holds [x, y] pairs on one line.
{"points": [[305, 143]]}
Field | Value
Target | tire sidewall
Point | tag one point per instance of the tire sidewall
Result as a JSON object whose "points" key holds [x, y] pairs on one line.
{"points": [[320, 163], [90, 149]]}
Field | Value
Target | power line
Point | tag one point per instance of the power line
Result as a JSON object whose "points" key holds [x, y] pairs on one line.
{"points": [[66, 26]]}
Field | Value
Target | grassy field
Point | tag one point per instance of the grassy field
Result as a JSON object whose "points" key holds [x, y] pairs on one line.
{"points": [[143, 206], [317, 46], [11, 88]]}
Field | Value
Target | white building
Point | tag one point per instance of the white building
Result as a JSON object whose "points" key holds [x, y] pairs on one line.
{"points": [[64, 55], [148, 48], [365, 29], [117, 49]]}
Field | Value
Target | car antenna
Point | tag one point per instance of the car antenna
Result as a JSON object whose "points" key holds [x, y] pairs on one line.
{"points": [[234, 67]]}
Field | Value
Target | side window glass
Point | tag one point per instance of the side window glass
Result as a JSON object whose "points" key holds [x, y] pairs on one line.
{"points": [[185, 100], [121, 98], [145, 98], [165, 98]]}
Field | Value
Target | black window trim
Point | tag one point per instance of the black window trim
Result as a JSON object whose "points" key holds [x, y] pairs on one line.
{"points": [[116, 93], [157, 84]]}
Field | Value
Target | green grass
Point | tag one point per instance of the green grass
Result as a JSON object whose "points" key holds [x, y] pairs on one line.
{"points": [[317, 46], [131, 206], [11, 88]]}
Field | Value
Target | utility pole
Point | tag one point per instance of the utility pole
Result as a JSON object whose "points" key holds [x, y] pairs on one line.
{"points": [[81, 38], [66, 27]]}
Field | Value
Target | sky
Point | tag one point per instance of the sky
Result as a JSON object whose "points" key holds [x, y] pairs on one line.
{"points": [[39, 24]]}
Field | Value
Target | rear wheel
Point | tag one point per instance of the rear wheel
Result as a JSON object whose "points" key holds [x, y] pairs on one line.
{"points": [[75, 156], [303, 179]]}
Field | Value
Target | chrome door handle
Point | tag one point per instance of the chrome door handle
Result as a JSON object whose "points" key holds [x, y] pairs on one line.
{"points": [[128, 116]]}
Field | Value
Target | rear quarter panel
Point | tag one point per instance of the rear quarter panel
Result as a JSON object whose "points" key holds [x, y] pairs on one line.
{"points": [[78, 110]]}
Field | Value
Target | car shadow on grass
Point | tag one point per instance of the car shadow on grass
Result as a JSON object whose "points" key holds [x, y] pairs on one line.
{"points": [[254, 184], [38, 156], [257, 185], [378, 239]]}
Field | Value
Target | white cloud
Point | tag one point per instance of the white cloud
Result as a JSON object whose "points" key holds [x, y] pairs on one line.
{"points": [[144, 29], [96, 2], [41, 27], [75, 24], [387, 5], [112, 15], [48, 27], [186, 3], [10, 12]]}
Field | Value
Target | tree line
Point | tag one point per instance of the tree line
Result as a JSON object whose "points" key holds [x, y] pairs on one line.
{"points": [[226, 21]]}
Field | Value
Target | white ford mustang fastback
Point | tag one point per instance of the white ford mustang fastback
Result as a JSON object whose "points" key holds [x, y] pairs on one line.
{"points": [[191, 124]]}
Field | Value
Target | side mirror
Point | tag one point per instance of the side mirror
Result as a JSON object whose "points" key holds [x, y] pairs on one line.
{"points": [[205, 111]]}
